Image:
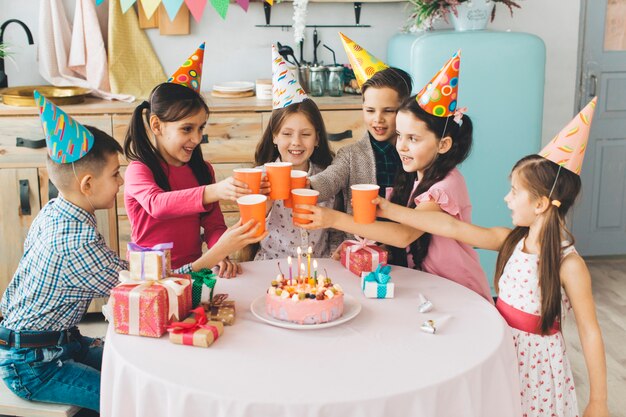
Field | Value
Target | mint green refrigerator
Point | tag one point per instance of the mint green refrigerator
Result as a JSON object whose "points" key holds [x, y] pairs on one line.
{"points": [[501, 83]]}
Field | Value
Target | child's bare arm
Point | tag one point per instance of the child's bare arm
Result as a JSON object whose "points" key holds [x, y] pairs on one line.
{"points": [[440, 223], [576, 281]]}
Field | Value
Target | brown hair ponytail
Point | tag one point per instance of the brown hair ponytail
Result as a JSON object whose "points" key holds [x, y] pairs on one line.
{"points": [[538, 176]]}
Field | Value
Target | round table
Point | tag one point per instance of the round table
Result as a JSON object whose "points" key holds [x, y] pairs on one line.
{"points": [[377, 364]]}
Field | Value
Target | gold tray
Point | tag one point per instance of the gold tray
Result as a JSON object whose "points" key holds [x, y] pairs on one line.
{"points": [[23, 96]]}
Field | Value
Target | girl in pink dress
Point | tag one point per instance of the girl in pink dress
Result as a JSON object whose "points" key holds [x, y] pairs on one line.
{"points": [[539, 278], [170, 191], [430, 148]]}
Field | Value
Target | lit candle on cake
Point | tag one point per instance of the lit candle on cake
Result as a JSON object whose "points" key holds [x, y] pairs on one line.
{"points": [[315, 269], [302, 271], [290, 274], [309, 252], [299, 251]]}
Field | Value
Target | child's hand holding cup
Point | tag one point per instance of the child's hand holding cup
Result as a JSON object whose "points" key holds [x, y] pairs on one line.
{"points": [[363, 208]]}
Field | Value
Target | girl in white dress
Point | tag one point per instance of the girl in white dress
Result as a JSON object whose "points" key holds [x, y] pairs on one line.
{"points": [[539, 278]]}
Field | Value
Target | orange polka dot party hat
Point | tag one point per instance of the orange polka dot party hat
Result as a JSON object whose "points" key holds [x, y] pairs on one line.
{"points": [[190, 73], [363, 63], [66, 139], [439, 97], [567, 149]]}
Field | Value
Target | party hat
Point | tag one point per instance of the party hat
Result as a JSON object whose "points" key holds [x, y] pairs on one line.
{"points": [[286, 89], [568, 147], [363, 63], [190, 73], [66, 139], [440, 95]]}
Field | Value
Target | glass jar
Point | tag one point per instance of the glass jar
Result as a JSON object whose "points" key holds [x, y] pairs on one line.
{"points": [[335, 81], [318, 81]]}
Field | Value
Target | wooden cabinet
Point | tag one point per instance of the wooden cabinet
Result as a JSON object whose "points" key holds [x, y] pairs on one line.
{"points": [[234, 128]]}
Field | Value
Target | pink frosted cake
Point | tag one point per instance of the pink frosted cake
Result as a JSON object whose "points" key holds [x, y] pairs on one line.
{"points": [[313, 302]]}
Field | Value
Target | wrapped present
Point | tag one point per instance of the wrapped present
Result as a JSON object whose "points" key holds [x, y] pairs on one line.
{"points": [[185, 300], [196, 330], [361, 255], [149, 263], [220, 309], [145, 308], [376, 284], [202, 285]]}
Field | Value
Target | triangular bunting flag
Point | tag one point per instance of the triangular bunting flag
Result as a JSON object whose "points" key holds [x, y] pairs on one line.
{"points": [[244, 4], [568, 147], [196, 7], [150, 6], [126, 4], [172, 7], [221, 6]]}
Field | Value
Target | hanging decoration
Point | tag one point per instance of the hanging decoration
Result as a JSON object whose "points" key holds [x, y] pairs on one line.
{"points": [[196, 7], [299, 19]]}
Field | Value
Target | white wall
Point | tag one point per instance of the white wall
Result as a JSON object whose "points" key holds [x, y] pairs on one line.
{"points": [[237, 50]]}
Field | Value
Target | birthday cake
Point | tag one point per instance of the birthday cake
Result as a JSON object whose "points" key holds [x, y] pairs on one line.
{"points": [[303, 301]]}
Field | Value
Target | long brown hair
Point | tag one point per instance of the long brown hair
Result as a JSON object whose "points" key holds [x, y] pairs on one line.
{"points": [[266, 151], [538, 176], [403, 192], [169, 102]]}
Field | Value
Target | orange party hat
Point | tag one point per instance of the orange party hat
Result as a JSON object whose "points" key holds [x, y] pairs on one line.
{"points": [[190, 73], [567, 149], [439, 97], [363, 63]]}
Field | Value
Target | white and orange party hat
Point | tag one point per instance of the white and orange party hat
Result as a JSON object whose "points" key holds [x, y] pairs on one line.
{"points": [[286, 89]]}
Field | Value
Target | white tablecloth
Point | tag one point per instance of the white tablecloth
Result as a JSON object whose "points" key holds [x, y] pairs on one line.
{"points": [[378, 364]]}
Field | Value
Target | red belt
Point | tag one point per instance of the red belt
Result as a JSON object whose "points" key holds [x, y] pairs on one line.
{"points": [[522, 320]]}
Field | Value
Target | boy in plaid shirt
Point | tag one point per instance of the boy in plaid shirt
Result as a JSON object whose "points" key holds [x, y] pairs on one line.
{"points": [[66, 263]]}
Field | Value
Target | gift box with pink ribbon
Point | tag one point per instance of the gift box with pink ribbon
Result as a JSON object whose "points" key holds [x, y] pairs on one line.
{"points": [[361, 255], [147, 307], [149, 263], [196, 330]]}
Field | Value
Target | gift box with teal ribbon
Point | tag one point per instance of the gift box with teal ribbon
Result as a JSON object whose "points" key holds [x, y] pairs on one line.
{"points": [[376, 284], [202, 285]]}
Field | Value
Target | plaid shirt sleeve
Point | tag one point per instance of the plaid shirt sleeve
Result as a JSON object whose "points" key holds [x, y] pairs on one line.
{"points": [[93, 268]]}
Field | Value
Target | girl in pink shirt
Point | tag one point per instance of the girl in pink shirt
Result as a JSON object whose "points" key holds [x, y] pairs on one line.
{"points": [[170, 191], [430, 148]]}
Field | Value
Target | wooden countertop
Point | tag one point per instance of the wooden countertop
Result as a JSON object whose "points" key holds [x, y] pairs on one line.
{"points": [[218, 105]]}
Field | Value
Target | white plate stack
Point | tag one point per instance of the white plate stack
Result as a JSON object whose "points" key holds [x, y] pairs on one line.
{"points": [[233, 89]]}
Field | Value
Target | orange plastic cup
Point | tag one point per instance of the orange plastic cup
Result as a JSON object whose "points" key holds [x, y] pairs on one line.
{"points": [[303, 196], [251, 176], [253, 206], [279, 175], [298, 180], [362, 196]]}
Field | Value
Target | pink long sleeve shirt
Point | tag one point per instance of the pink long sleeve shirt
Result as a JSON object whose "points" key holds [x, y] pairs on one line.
{"points": [[158, 216]]}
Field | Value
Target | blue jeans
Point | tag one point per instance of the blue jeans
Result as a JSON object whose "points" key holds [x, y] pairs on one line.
{"points": [[62, 374]]}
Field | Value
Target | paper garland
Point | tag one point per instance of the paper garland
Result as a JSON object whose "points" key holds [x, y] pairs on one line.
{"points": [[172, 7]]}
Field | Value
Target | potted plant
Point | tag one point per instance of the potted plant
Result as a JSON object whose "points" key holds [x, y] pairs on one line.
{"points": [[465, 14]]}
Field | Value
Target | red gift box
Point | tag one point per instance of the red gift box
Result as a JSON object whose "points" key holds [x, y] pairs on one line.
{"points": [[146, 308], [361, 255]]}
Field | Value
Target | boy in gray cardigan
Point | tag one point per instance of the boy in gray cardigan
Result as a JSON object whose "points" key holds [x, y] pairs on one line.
{"points": [[373, 159]]}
